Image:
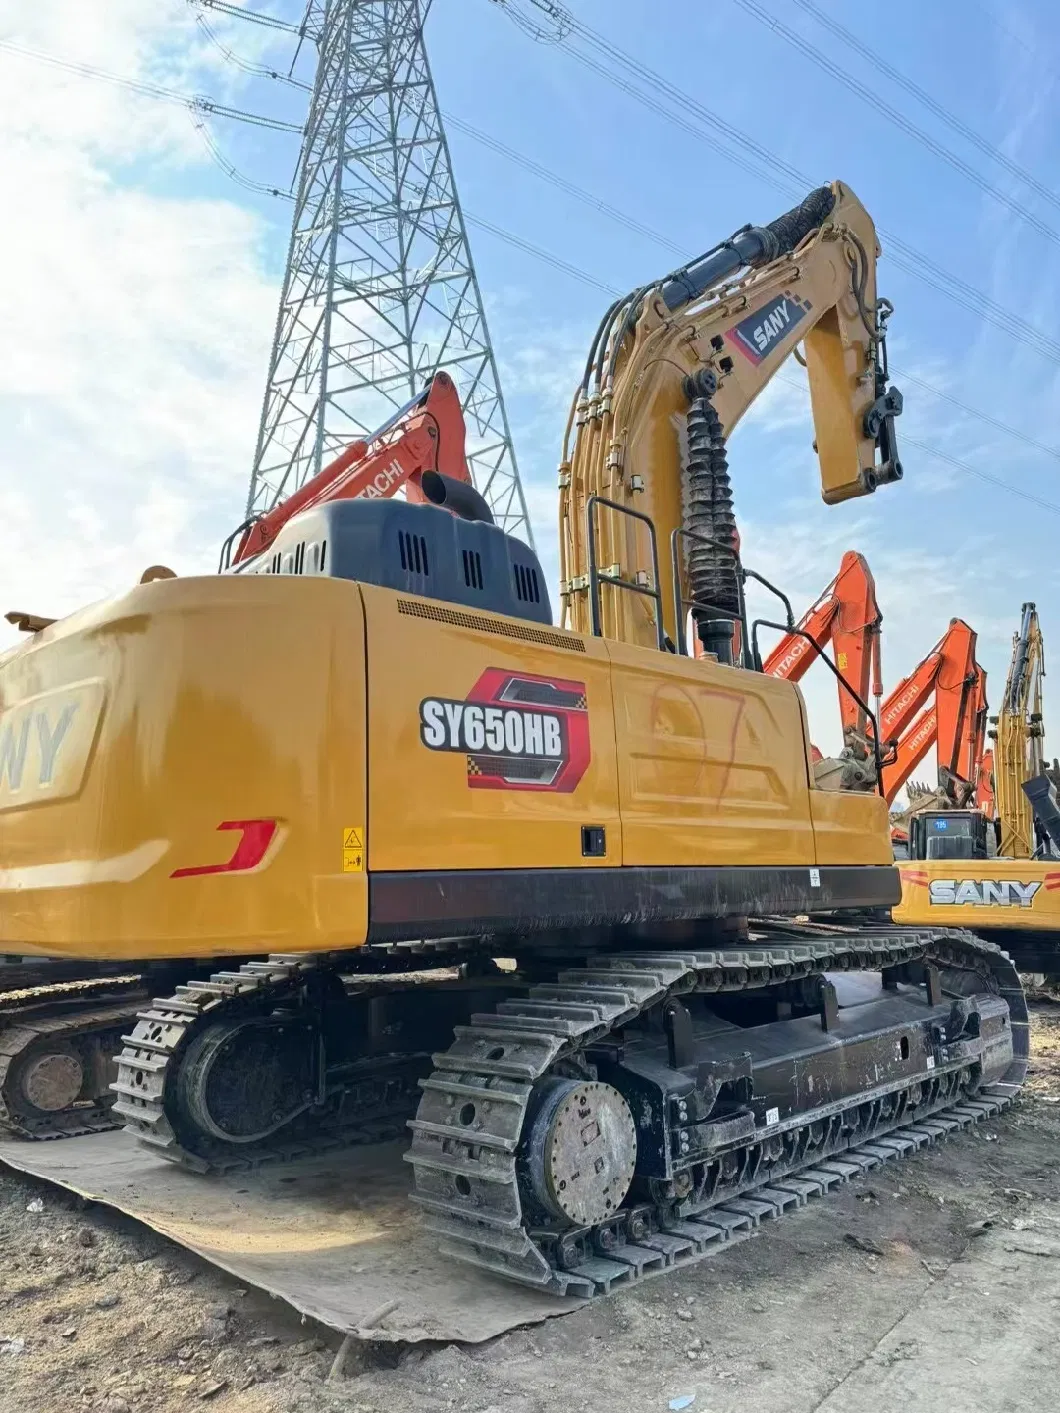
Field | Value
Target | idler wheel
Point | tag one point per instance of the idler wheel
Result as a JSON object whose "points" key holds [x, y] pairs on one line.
{"points": [[241, 1083], [49, 1079], [581, 1150]]}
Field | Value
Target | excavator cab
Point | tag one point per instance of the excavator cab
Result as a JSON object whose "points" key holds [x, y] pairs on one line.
{"points": [[948, 834]]}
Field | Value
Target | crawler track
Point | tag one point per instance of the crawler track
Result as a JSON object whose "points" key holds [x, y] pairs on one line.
{"points": [[468, 1173], [86, 1017], [374, 1106]]}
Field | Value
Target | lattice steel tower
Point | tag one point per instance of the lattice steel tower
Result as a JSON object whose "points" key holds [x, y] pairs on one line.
{"points": [[379, 289]]}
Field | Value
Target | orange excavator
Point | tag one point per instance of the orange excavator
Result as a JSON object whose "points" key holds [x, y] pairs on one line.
{"points": [[419, 449], [847, 616], [941, 703]]}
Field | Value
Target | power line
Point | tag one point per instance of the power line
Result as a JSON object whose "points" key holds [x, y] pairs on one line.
{"points": [[753, 156], [845, 36], [573, 270], [554, 179], [239, 12], [196, 102], [247, 66], [586, 197], [229, 169], [978, 413], [790, 182], [990, 15], [895, 116], [536, 251], [200, 105], [980, 475]]}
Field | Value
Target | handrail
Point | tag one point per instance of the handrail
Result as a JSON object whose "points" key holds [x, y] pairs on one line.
{"points": [[596, 578], [877, 755], [225, 561]]}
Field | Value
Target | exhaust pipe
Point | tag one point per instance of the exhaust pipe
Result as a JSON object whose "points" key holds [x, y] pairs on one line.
{"points": [[458, 497]]}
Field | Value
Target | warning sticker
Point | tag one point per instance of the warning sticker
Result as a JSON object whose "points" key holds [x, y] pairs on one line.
{"points": [[353, 850]]}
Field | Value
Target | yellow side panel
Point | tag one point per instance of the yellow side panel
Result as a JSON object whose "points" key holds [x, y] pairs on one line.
{"points": [[436, 802], [851, 828], [712, 763], [982, 894], [188, 704]]}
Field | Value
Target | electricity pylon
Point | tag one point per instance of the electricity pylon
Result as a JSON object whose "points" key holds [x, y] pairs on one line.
{"points": [[379, 289]]}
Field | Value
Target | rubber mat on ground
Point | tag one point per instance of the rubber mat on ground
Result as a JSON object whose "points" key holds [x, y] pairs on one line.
{"points": [[335, 1235]]}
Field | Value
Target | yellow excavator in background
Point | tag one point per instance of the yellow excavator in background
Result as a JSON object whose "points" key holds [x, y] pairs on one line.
{"points": [[384, 758], [1001, 878]]}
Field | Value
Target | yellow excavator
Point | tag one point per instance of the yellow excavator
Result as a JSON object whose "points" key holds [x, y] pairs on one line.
{"points": [[1001, 877], [367, 752]]}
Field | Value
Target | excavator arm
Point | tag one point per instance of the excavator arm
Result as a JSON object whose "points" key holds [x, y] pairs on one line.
{"points": [[1018, 744], [426, 435], [848, 617], [984, 786], [949, 683], [673, 368], [972, 744]]}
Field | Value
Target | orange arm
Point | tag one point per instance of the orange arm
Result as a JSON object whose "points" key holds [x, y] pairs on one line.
{"points": [[973, 729], [793, 654], [911, 750], [856, 639], [948, 665], [848, 616], [427, 435], [954, 688], [951, 676]]}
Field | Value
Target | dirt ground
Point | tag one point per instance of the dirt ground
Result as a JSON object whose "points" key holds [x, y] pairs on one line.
{"points": [[927, 1286]]}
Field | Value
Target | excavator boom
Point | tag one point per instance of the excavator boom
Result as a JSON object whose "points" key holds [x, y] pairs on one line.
{"points": [[949, 683], [1018, 746], [672, 369], [847, 616], [427, 434]]}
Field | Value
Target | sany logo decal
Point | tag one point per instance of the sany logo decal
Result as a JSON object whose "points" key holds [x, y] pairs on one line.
{"points": [[46, 741], [37, 733], [757, 334], [986, 892], [518, 732]]}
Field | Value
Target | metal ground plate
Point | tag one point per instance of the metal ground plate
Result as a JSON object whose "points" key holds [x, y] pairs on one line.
{"points": [[336, 1235]]}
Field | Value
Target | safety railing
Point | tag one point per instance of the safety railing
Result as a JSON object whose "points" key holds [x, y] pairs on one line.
{"points": [[225, 562], [878, 756], [598, 576]]}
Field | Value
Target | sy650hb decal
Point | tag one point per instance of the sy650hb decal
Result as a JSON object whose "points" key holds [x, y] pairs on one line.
{"points": [[518, 732]]}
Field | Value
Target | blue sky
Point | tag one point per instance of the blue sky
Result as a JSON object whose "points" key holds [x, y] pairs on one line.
{"points": [[147, 280]]}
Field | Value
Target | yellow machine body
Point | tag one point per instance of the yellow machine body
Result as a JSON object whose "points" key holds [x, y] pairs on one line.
{"points": [[986, 895], [240, 764]]}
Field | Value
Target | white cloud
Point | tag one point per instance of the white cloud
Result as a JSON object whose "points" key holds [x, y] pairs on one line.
{"points": [[136, 323]]}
